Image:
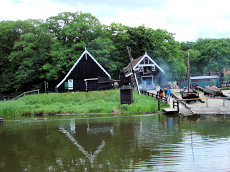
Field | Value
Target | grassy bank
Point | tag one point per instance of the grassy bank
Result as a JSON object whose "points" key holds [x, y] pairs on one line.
{"points": [[78, 102]]}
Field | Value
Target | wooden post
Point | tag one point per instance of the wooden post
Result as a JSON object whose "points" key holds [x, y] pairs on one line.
{"points": [[206, 102], [178, 106], [158, 104]]}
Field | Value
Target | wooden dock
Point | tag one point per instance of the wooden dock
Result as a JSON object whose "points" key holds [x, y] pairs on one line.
{"points": [[203, 105], [170, 111]]}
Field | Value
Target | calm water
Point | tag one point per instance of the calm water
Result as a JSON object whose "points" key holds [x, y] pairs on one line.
{"points": [[146, 143]]}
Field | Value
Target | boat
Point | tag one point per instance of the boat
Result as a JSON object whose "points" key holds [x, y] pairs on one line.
{"points": [[212, 90], [189, 93]]}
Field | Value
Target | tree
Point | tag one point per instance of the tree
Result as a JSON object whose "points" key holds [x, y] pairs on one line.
{"points": [[106, 54]]}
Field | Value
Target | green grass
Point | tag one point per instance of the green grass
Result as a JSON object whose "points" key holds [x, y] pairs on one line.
{"points": [[77, 102], [226, 88]]}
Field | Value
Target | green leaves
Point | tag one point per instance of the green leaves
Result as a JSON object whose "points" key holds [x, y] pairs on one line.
{"points": [[209, 56], [32, 51]]}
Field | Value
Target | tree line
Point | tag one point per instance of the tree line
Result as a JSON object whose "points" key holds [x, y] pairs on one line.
{"points": [[34, 51]]}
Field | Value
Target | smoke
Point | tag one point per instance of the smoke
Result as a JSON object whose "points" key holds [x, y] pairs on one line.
{"points": [[168, 74]]}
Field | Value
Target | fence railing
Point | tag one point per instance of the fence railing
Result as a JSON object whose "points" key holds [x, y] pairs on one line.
{"points": [[162, 101], [22, 95], [207, 98], [26, 93]]}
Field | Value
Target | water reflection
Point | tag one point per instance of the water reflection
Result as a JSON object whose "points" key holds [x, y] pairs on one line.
{"points": [[94, 132], [151, 143]]}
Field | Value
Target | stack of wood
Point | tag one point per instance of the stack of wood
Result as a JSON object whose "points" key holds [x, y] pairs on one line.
{"points": [[104, 83]]}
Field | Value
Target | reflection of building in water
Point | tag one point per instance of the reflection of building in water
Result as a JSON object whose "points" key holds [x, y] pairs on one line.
{"points": [[148, 73], [89, 138]]}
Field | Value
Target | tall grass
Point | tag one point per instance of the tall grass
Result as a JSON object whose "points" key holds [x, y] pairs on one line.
{"points": [[76, 102]]}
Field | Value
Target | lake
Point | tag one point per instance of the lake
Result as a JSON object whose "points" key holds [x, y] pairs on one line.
{"points": [[135, 143]]}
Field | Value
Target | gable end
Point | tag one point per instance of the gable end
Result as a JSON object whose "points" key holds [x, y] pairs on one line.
{"points": [[82, 56]]}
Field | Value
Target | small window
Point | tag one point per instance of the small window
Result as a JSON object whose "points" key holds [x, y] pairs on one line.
{"points": [[140, 69], [147, 70], [146, 61]]}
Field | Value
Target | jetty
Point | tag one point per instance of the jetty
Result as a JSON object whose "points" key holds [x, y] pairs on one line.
{"points": [[202, 105]]}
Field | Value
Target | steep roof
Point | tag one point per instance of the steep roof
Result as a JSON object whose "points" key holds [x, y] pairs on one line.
{"points": [[136, 62], [133, 63], [82, 55]]}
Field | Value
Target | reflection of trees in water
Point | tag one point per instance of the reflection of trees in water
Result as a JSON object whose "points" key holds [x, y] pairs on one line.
{"points": [[109, 144], [209, 126]]}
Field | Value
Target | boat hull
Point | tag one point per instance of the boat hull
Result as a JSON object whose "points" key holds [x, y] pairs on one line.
{"points": [[214, 91], [191, 94]]}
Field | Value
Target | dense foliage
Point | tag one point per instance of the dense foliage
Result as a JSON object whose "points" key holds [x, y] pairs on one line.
{"points": [[34, 51]]}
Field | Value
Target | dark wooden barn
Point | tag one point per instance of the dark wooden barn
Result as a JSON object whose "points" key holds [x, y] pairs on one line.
{"points": [[85, 75], [147, 72]]}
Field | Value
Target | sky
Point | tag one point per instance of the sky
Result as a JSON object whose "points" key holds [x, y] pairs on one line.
{"points": [[188, 19]]}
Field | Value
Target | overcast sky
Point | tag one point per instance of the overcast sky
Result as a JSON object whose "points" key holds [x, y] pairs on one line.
{"points": [[188, 19]]}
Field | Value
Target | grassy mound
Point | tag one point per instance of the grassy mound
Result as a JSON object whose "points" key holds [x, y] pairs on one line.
{"points": [[76, 102]]}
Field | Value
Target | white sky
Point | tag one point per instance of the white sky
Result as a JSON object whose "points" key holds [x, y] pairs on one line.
{"points": [[188, 19]]}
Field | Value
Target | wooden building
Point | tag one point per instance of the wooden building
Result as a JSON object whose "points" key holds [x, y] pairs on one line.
{"points": [[85, 75], [147, 72]]}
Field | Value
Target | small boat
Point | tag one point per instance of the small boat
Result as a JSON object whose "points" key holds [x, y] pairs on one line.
{"points": [[189, 93], [214, 91], [1, 120]]}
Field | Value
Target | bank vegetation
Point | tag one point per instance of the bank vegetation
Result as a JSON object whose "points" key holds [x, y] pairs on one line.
{"points": [[76, 103]]}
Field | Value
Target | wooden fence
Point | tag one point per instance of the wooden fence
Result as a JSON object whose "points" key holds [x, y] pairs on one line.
{"points": [[207, 98], [22, 95], [162, 101]]}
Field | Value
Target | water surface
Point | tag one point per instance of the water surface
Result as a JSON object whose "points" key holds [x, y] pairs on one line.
{"points": [[138, 143]]}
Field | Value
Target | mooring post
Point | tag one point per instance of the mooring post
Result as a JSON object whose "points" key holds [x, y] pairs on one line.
{"points": [[158, 104], [206, 102], [178, 106], [224, 102]]}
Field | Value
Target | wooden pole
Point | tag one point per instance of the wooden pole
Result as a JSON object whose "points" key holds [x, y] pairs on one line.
{"points": [[134, 75], [158, 104], [178, 106], [188, 68]]}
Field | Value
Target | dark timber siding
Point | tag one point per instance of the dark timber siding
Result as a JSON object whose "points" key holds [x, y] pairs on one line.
{"points": [[85, 69]]}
